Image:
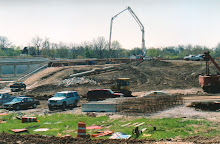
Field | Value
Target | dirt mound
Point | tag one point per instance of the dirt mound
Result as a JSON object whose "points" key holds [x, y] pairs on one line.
{"points": [[207, 106], [147, 76], [203, 140], [154, 63], [158, 75]]}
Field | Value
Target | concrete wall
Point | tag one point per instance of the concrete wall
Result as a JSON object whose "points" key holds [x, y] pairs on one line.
{"points": [[12, 69]]}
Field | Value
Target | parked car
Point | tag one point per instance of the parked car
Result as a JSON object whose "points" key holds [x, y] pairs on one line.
{"points": [[63, 99], [5, 97], [101, 94], [147, 58], [194, 57], [21, 102], [17, 86]]}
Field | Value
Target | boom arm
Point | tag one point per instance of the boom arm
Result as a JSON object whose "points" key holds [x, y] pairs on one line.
{"points": [[139, 23], [208, 57]]}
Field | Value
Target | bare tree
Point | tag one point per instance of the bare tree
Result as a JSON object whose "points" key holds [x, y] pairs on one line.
{"points": [[46, 47], [99, 45], [37, 42], [62, 50], [4, 42], [53, 50], [115, 48]]}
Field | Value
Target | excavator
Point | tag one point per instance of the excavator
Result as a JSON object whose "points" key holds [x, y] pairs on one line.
{"points": [[210, 83]]}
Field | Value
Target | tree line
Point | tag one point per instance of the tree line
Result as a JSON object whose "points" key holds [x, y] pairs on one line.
{"points": [[98, 48]]}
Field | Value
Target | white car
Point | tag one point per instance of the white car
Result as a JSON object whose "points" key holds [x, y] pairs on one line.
{"points": [[194, 57], [63, 99]]}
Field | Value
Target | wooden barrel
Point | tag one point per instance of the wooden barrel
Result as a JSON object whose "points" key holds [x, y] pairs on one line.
{"points": [[81, 131], [28, 119]]}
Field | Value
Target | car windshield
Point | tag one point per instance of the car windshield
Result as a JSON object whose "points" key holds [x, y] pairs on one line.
{"points": [[60, 95], [16, 100], [199, 55], [111, 92]]}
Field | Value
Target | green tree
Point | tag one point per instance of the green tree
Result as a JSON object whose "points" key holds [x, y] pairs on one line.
{"points": [[136, 51], [153, 52]]}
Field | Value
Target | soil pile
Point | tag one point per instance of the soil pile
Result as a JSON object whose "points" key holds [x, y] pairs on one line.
{"points": [[6, 138], [156, 75], [146, 76], [207, 106]]}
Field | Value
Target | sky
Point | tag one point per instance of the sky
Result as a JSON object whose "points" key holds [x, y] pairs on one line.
{"points": [[166, 22]]}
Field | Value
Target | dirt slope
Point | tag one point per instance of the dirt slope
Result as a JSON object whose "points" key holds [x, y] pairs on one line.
{"points": [[148, 75], [156, 75]]}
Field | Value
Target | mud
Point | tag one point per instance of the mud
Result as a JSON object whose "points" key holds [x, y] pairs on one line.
{"points": [[6, 138], [206, 106]]}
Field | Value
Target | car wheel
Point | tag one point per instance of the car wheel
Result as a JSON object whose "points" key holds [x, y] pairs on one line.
{"points": [[34, 105], [75, 104], [64, 106], [17, 107], [50, 108]]}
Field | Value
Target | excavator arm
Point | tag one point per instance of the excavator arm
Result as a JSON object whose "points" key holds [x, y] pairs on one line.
{"points": [[210, 83], [208, 57]]}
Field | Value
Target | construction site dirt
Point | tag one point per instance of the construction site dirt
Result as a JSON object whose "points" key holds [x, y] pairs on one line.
{"points": [[6, 138], [147, 76], [172, 76], [175, 77]]}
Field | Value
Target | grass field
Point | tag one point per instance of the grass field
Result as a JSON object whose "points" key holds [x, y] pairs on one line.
{"points": [[62, 124]]}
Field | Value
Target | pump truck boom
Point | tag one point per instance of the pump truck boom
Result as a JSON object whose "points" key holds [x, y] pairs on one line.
{"points": [[210, 83], [139, 23]]}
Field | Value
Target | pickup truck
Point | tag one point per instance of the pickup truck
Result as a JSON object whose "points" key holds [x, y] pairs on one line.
{"points": [[5, 97], [63, 99], [17, 86]]}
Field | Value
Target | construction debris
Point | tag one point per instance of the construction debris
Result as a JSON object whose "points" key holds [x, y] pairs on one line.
{"points": [[2, 121], [119, 135], [76, 81], [102, 133], [148, 105], [41, 129], [19, 130], [126, 124], [94, 127], [1, 114]]}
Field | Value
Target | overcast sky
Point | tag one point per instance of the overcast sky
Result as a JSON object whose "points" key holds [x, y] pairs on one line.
{"points": [[166, 22]]}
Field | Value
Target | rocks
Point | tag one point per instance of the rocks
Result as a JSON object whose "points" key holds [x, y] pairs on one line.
{"points": [[76, 81]]}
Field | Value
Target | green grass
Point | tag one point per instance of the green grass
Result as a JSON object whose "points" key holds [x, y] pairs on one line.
{"points": [[67, 124]]}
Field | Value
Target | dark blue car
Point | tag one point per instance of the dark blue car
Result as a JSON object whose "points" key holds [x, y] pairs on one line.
{"points": [[21, 102]]}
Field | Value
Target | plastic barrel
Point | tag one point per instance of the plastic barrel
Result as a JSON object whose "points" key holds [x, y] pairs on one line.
{"points": [[81, 131], [28, 119]]}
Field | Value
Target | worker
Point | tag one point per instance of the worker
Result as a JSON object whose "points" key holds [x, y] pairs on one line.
{"points": [[136, 132]]}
